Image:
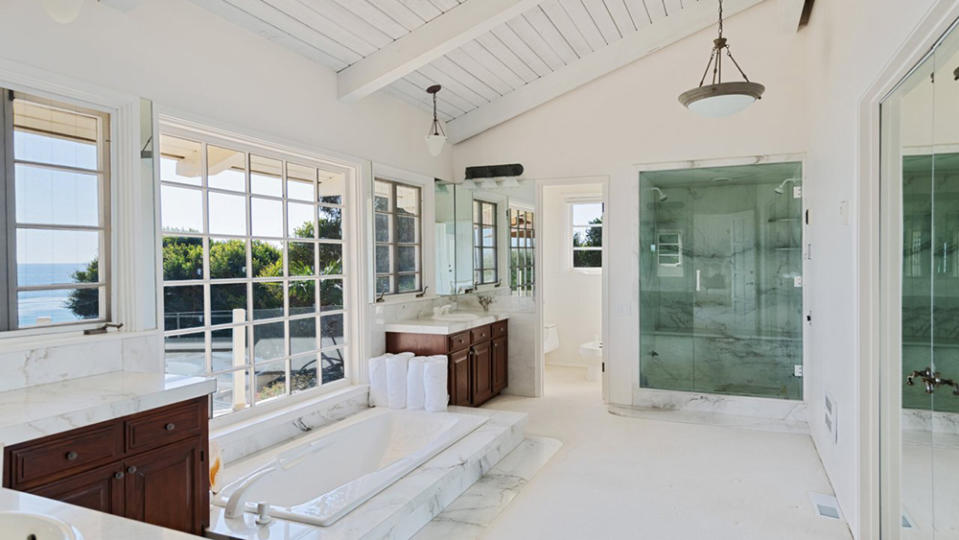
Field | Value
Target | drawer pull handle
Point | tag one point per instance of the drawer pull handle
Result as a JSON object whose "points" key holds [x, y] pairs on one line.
{"points": [[72, 456], [170, 427], [131, 469], [118, 475]]}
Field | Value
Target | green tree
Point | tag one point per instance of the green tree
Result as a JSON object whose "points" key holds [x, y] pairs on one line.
{"points": [[85, 303]]}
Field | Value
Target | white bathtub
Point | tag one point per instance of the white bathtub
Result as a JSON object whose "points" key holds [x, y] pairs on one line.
{"points": [[320, 477]]}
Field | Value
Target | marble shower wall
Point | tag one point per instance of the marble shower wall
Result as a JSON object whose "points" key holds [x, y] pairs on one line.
{"points": [[720, 289]]}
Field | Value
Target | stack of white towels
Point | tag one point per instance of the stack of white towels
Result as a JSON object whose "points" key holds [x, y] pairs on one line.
{"points": [[406, 381]]}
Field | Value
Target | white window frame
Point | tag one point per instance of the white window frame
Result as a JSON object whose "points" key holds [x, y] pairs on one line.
{"points": [[178, 126], [131, 265], [393, 244], [498, 242], [427, 233], [571, 203], [530, 250]]}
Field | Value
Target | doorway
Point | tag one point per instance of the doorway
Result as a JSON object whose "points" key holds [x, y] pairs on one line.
{"points": [[920, 283], [571, 278]]}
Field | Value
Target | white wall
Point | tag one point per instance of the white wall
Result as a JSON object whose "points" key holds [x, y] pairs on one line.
{"points": [[848, 43], [572, 299], [632, 116]]}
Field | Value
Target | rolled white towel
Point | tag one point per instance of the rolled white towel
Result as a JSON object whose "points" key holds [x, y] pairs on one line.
{"points": [[378, 395], [396, 367], [415, 393], [434, 384]]}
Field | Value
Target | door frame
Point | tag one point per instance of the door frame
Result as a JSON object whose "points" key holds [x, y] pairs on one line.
{"points": [[539, 370], [880, 299]]}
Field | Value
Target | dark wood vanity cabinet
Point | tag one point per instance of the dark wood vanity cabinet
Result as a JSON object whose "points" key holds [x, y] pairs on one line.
{"points": [[478, 359], [149, 466]]}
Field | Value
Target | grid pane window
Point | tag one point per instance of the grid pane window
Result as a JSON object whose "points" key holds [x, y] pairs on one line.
{"points": [[56, 181], [252, 255], [587, 234], [522, 245], [485, 261], [397, 231]]}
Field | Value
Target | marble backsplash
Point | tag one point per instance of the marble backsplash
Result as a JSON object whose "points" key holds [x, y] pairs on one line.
{"points": [[35, 364]]}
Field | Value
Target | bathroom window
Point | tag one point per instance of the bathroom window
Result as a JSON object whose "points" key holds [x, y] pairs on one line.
{"points": [[586, 233], [521, 251], [57, 237], [253, 258], [485, 261], [398, 233]]}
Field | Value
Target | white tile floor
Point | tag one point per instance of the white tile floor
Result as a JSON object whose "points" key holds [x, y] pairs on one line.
{"points": [[618, 477]]}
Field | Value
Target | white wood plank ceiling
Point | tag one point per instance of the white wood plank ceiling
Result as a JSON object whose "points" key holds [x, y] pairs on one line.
{"points": [[399, 45]]}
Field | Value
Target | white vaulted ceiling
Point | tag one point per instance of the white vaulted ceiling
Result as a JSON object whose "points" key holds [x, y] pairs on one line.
{"points": [[494, 58]]}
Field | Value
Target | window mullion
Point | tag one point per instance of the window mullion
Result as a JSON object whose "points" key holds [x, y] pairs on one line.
{"points": [[8, 244]]}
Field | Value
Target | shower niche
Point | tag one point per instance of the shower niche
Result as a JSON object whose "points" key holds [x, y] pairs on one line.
{"points": [[721, 280]]}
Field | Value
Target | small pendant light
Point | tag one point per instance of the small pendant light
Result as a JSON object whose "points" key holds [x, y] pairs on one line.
{"points": [[436, 137], [721, 98]]}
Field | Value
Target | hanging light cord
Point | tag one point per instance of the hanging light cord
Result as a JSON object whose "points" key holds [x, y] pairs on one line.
{"points": [[437, 128], [716, 56]]}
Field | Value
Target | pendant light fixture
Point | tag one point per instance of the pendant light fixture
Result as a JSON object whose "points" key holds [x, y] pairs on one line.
{"points": [[436, 137], [721, 98]]}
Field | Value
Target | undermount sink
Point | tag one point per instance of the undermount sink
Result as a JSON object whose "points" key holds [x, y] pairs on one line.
{"points": [[30, 526], [453, 317]]}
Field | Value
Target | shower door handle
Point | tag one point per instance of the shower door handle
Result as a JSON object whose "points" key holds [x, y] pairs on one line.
{"points": [[698, 280]]}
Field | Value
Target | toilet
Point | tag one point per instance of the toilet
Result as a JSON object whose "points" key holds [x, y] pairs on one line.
{"points": [[550, 338], [591, 354]]}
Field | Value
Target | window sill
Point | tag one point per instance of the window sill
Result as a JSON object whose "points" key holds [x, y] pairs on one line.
{"points": [[288, 408], [587, 271], [22, 342]]}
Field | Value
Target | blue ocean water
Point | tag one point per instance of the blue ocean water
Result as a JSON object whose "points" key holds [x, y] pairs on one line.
{"points": [[53, 304]]}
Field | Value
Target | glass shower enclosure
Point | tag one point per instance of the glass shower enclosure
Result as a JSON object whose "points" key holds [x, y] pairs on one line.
{"points": [[720, 263]]}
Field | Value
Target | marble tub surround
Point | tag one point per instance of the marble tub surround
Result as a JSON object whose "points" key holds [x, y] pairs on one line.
{"points": [[469, 516], [46, 409], [404, 507], [242, 439], [91, 525], [436, 326], [25, 363]]}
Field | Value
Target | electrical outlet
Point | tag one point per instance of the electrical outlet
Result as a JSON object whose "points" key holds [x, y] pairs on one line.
{"points": [[797, 370]]}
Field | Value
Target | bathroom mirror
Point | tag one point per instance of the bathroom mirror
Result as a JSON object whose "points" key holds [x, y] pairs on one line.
{"points": [[485, 237]]}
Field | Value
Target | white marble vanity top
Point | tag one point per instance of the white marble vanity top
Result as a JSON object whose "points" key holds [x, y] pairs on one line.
{"points": [[445, 327], [46, 409], [91, 524]]}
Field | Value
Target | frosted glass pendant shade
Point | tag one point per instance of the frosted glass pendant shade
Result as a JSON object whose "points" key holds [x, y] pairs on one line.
{"points": [[724, 99], [62, 11], [435, 143]]}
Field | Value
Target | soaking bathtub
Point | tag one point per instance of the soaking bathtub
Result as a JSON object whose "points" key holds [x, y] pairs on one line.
{"points": [[321, 477]]}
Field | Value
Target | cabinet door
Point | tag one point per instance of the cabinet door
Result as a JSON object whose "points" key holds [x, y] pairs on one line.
{"points": [[482, 371], [100, 489], [500, 355], [167, 487], [459, 378]]}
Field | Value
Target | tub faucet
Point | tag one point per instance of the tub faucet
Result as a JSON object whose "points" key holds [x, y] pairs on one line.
{"points": [[236, 504]]}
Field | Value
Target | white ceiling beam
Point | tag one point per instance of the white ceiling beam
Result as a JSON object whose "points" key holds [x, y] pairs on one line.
{"points": [[649, 39], [790, 14], [439, 36]]}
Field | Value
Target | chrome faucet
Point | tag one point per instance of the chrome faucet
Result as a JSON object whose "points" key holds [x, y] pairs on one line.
{"points": [[236, 504]]}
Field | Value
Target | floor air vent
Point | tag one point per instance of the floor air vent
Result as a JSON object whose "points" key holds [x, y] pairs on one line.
{"points": [[826, 506]]}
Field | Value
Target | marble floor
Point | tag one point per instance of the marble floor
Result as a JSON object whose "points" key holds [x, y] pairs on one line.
{"points": [[626, 477]]}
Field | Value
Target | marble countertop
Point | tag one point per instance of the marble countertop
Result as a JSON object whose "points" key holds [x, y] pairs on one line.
{"points": [[441, 327], [91, 524], [46, 409]]}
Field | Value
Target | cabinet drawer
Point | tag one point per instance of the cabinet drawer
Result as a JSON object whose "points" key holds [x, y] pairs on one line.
{"points": [[152, 430], [499, 328], [459, 341], [65, 454], [480, 334]]}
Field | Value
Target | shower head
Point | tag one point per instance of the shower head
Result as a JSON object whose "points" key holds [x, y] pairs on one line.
{"points": [[662, 196], [779, 190]]}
